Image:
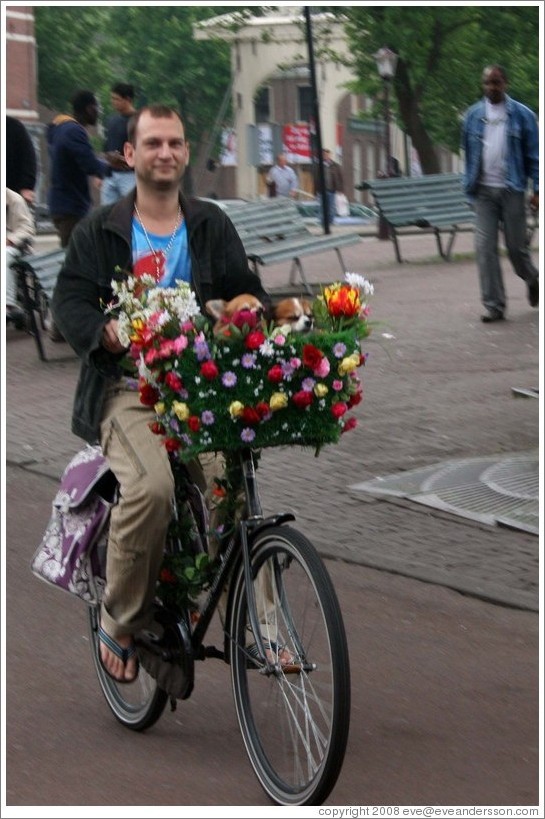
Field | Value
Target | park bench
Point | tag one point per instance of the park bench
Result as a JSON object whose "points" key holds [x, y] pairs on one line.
{"points": [[435, 203], [273, 230], [36, 279]]}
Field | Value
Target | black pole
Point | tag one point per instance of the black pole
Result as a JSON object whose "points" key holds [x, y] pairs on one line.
{"points": [[383, 227], [316, 111]]}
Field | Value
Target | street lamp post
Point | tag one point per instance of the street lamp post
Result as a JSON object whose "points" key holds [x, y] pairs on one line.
{"points": [[386, 61]]}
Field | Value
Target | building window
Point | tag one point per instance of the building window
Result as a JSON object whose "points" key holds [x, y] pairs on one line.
{"points": [[262, 105], [304, 102]]}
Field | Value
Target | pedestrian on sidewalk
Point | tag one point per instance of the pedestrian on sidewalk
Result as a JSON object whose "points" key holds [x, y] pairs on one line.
{"points": [[333, 181], [19, 234], [501, 145], [118, 183], [281, 179]]}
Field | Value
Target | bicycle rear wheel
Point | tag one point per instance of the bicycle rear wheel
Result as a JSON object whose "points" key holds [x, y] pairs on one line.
{"points": [[137, 705], [294, 718]]}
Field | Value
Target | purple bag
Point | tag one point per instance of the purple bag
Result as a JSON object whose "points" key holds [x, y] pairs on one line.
{"points": [[72, 554]]}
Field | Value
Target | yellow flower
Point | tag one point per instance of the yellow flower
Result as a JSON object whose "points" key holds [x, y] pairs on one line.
{"points": [[348, 364], [236, 409], [181, 410], [320, 390], [159, 408], [137, 326], [278, 401]]}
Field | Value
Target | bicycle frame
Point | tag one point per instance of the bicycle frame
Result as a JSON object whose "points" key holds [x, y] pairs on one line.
{"points": [[237, 544]]}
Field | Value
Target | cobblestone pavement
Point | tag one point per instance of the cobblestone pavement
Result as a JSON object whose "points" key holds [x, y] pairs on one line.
{"points": [[437, 385]]}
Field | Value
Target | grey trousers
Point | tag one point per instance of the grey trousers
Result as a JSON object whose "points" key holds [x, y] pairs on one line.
{"points": [[495, 207]]}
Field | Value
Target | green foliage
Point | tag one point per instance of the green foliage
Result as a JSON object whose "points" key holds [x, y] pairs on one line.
{"points": [[151, 47], [442, 52]]}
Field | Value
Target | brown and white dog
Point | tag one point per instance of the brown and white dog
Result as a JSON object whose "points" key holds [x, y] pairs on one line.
{"points": [[297, 313]]}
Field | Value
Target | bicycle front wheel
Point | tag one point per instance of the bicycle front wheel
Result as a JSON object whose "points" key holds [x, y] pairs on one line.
{"points": [[294, 711], [139, 704]]}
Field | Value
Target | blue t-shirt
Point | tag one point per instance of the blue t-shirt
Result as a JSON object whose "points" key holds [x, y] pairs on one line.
{"points": [[166, 266]]}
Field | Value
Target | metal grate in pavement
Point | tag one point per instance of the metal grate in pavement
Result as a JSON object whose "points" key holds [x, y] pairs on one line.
{"points": [[496, 490]]}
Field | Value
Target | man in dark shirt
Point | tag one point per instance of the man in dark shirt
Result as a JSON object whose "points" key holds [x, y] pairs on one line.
{"points": [[119, 182]]}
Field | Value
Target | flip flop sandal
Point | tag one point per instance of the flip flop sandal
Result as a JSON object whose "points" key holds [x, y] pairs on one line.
{"points": [[254, 659], [124, 655]]}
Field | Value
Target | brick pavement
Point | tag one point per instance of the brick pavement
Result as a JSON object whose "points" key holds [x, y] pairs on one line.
{"points": [[437, 384]]}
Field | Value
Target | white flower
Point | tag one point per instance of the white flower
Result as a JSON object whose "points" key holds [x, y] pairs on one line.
{"points": [[364, 286]]}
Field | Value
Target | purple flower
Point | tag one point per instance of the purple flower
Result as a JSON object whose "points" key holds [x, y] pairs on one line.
{"points": [[248, 361], [247, 435], [201, 348], [229, 379], [339, 350], [174, 424], [208, 418], [308, 384]]}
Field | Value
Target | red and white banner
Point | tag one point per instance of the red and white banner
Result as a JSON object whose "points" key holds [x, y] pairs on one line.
{"points": [[296, 143]]}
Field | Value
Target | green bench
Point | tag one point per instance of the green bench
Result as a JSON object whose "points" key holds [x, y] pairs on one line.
{"points": [[274, 231], [36, 279], [435, 203]]}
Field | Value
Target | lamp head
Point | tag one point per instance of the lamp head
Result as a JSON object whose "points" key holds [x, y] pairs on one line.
{"points": [[386, 61]]}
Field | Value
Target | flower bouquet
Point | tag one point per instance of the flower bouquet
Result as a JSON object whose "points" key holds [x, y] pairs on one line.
{"points": [[254, 385]]}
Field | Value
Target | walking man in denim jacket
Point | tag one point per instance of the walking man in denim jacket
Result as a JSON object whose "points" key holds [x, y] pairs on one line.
{"points": [[501, 144]]}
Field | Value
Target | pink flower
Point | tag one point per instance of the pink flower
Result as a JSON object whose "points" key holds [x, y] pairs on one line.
{"points": [[323, 368]]}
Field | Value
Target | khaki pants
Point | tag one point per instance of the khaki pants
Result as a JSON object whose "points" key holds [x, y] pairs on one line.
{"points": [[140, 519]]}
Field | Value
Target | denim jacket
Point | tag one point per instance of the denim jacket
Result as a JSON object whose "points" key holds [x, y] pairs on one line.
{"points": [[522, 146]]}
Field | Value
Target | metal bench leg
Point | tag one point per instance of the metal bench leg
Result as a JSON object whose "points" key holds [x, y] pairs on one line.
{"points": [[396, 244], [296, 265], [445, 254]]}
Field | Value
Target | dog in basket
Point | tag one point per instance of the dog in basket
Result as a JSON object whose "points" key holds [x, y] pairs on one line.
{"points": [[294, 312]]}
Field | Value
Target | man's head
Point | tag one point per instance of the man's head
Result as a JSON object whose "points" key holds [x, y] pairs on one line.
{"points": [[156, 147], [494, 82], [85, 107], [282, 160], [121, 97]]}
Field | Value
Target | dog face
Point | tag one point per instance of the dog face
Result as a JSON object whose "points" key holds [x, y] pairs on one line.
{"points": [[243, 309], [297, 313]]}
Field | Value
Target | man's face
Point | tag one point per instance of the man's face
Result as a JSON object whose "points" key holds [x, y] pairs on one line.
{"points": [[160, 153], [494, 85], [120, 104]]}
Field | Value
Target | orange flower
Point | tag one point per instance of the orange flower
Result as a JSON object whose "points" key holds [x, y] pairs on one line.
{"points": [[342, 300]]}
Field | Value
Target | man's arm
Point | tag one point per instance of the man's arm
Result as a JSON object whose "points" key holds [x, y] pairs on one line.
{"points": [[21, 224]]}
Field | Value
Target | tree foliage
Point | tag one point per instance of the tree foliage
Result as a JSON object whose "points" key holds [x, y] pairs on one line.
{"points": [[151, 47], [442, 52]]}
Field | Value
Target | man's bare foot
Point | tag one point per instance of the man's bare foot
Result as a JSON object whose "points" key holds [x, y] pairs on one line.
{"points": [[118, 657]]}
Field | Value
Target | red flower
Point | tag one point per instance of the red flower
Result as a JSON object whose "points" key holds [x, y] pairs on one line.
{"points": [[302, 399], [250, 416], [172, 445], [275, 374], [167, 576], [242, 317], [263, 409], [312, 356], [157, 428], [338, 409], [349, 424], [254, 340], [354, 399], [194, 423], [209, 370], [148, 395], [173, 381]]}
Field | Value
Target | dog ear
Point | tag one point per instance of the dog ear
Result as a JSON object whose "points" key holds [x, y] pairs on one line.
{"points": [[216, 308]]}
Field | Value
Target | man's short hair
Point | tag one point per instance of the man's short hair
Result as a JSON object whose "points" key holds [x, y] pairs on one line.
{"points": [[156, 111], [124, 90], [82, 99], [496, 67]]}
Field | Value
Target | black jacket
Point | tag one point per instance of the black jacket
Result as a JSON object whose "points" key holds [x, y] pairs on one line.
{"points": [[100, 243]]}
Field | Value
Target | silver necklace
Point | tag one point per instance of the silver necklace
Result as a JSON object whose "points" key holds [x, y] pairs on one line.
{"points": [[160, 255]]}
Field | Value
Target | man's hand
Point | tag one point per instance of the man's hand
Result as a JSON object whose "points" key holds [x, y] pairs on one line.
{"points": [[28, 195], [110, 339], [534, 202]]}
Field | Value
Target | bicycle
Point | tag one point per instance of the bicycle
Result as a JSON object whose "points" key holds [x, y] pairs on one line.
{"points": [[284, 641]]}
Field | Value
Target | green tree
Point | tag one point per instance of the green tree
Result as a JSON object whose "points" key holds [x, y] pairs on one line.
{"points": [[442, 52], [150, 46]]}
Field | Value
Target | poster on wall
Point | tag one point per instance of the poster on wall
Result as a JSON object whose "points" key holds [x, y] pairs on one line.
{"points": [[265, 144], [296, 143], [228, 154]]}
